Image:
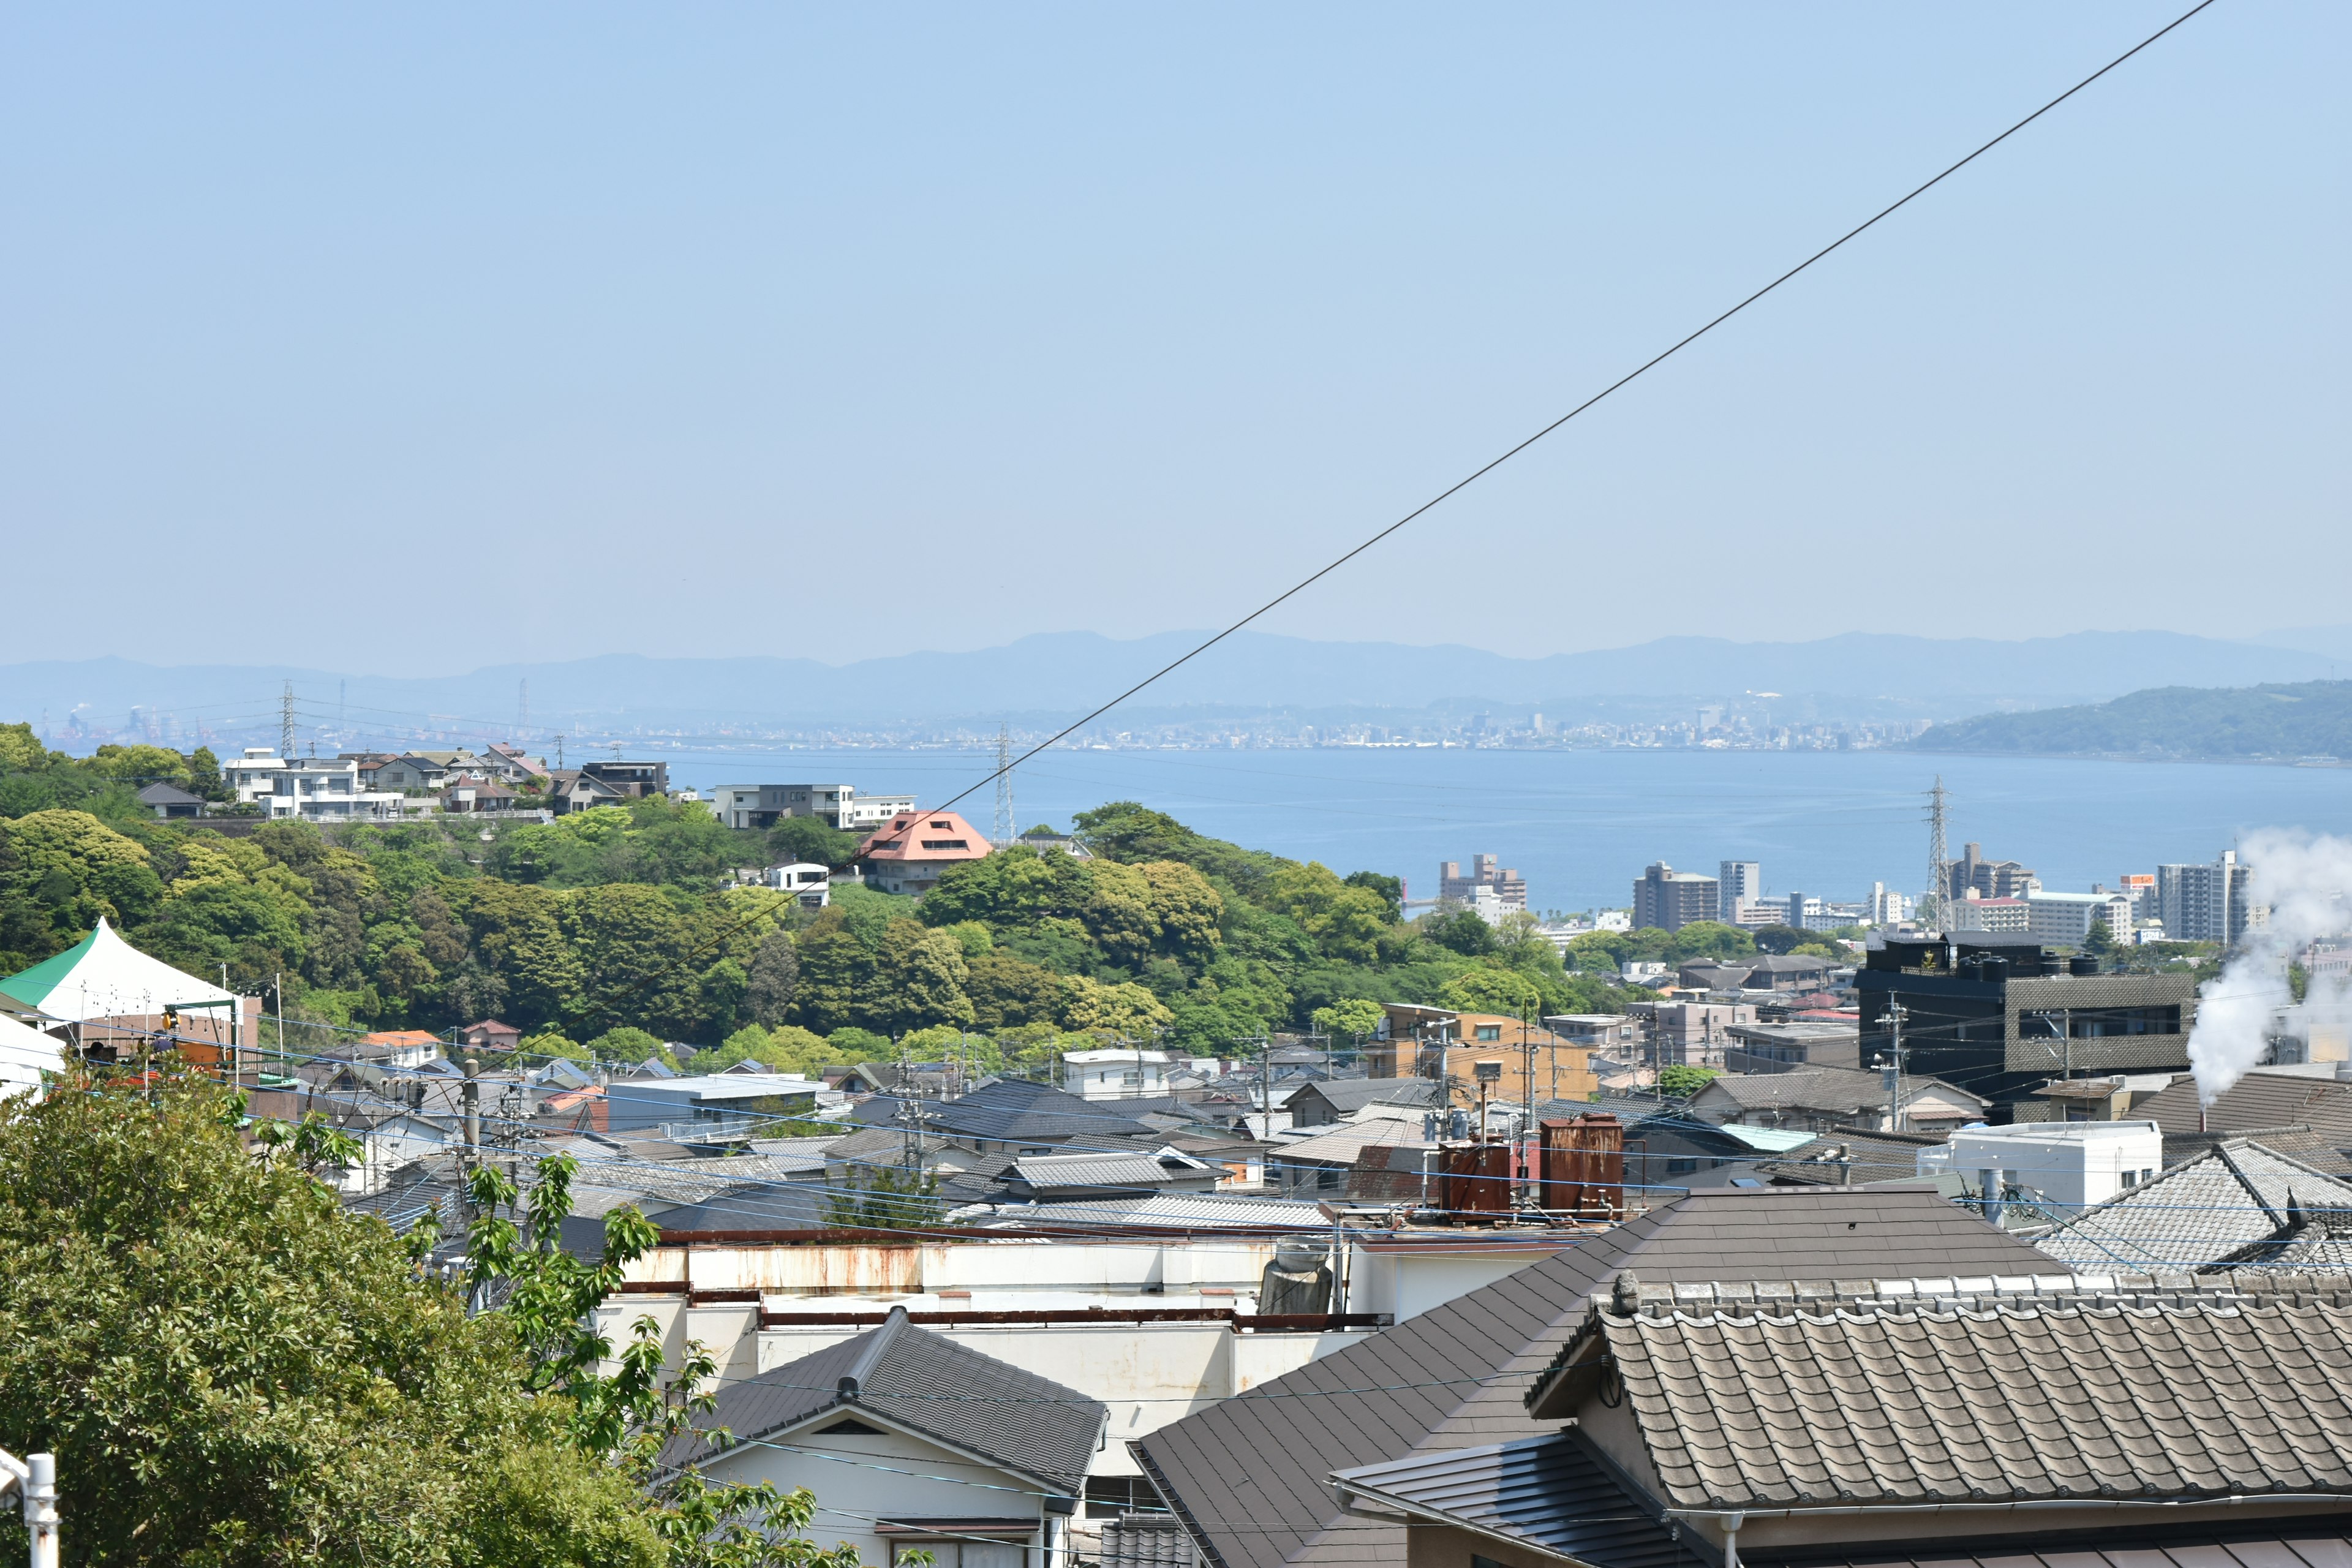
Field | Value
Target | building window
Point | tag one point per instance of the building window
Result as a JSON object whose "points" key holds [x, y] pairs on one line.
{"points": [[1489, 1031]]}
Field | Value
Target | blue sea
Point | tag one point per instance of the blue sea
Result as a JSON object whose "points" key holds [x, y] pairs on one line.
{"points": [[1581, 824]]}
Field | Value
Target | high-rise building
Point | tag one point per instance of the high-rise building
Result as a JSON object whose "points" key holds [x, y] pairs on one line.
{"points": [[1669, 899], [1739, 880], [1990, 878], [2205, 902], [1888, 908]]}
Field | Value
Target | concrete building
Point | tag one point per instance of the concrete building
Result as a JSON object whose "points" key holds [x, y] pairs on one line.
{"points": [[2001, 1015], [2066, 919], [1990, 878], [1889, 908], [1505, 886], [1695, 1033], [2066, 1166], [1668, 900], [1973, 912], [2204, 902], [837, 806], [1115, 1074], [1736, 879], [811, 884], [313, 789]]}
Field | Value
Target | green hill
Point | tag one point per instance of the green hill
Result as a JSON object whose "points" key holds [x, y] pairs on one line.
{"points": [[2282, 724]]}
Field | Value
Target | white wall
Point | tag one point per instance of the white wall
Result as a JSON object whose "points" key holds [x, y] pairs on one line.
{"points": [[856, 1479], [2072, 1164]]}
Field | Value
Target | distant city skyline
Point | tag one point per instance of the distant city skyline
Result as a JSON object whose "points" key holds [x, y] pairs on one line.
{"points": [[628, 331]]}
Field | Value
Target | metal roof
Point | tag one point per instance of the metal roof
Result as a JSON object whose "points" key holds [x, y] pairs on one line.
{"points": [[1052, 1172], [925, 1383], [1547, 1492], [1174, 1210]]}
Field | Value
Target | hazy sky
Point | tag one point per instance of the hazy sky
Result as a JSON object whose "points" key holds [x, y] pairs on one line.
{"points": [[410, 338]]}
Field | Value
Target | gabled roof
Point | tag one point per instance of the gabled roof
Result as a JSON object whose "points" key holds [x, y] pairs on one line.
{"points": [[1250, 1475], [1904, 1393], [2197, 1215], [161, 793], [923, 1383], [1009, 1111], [1550, 1492], [1342, 1144], [1092, 1173], [1346, 1094], [1843, 1089], [1173, 1211], [2257, 1099]]}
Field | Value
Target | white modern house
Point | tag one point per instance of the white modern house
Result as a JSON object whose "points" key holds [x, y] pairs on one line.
{"points": [[2065, 1165], [314, 789], [1116, 1074]]}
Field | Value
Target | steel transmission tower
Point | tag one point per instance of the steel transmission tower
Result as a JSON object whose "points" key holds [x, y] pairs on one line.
{"points": [[286, 722], [1933, 910], [523, 711], [1003, 783]]}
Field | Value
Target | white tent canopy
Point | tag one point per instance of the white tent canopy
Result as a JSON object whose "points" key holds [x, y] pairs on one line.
{"points": [[25, 1054], [103, 976]]}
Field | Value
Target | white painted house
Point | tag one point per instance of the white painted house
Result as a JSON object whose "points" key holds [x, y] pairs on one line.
{"points": [[913, 1442], [1116, 1074]]}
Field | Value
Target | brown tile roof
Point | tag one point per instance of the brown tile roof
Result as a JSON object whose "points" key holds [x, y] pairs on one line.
{"points": [[2110, 1389], [1251, 1476], [925, 837]]}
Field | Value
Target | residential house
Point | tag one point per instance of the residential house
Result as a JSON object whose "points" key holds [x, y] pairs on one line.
{"points": [[420, 771], [1815, 1099], [1250, 1478], [1333, 1100], [810, 883], [1100, 1174], [574, 789], [310, 789], [1003, 1116], [1858, 1157], [2236, 1203], [474, 795], [490, 1034], [948, 1451], [723, 1105], [2111, 1096], [1045, 841], [630, 780], [1116, 1074], [168, 801], [1685, 1420], [1694, 1034], [405, 1049], [511, 765], [1785, 1047], [1320, 1166], [1617, 1034], [2292, 1113], [907, 854], [837, 806]]}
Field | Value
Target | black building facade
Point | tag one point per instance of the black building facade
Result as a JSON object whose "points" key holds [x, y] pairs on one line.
{"points": [[1996, 1014]]}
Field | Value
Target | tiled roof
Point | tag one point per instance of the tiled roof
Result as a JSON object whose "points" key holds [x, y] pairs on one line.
{"points": [[1346, 1094], [1250, 1475], [1342, 1144], [1843, 1089], [925, 837], [928, 1383], [2102, 1389], [2257, 1099], [1851, 1156], [1547, 1492], [2198, 1215]]}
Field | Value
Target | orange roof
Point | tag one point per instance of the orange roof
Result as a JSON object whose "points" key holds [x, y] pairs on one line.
{"points": [[400, 1037], [928, 837]]}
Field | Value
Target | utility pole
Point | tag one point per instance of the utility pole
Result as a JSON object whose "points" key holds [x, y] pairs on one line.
{"points": [[1003, 784], [35, 1478], [286, 722], [1894, 1117], [1937, 857]]}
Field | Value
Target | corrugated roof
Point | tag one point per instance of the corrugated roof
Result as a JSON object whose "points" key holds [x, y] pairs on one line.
{"points": [[1891, 1400], [1049, 1173], [1342, 1144], [928, 1383], [1251, 1475]]}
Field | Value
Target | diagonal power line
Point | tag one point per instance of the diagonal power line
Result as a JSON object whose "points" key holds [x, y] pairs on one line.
{"points": [[1643, 368]]}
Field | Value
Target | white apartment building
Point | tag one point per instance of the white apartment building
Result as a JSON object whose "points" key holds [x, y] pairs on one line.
{"points": [[838, 805], [2066, 920], [2205, 902], [1888, 908], [1738, 879], [313, 789]]}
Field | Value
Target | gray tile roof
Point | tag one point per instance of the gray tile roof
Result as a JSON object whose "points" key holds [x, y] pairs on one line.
{"points": [[2199, 1214], [1170, 1211], [1346, 1094], [1853, 1156], [1060, 1172], [1005, 1110], [2257, 1099], [1145, 1541], [1841, 1090], [927, 1383], [1251, 1475], [2309, 1543], [1547, 1492], [2084, 1393]]}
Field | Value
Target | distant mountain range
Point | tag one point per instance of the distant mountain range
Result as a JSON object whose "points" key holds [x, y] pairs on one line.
{"points": [[1059, 675], [2311, 719]]}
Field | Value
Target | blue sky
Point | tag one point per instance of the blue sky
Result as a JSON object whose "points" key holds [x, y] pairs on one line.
{"points": [[392, 338]]}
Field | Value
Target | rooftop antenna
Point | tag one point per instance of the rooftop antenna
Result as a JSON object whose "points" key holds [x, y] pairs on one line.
{"points": [[1931, 914], [1003, 783], [286, 721]]}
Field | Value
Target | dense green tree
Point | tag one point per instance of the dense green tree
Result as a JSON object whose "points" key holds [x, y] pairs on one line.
{"points": [[1463, 932], [61, 872], [1007, 990], [918, 979], [628, 1044], [808, 838], [1390, 891], [773, 977], [835, 974], [1492, 990], [1353, 1018]]}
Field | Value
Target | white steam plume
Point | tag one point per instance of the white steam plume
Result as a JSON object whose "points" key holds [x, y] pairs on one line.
{"points": [[2307, 882]]}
